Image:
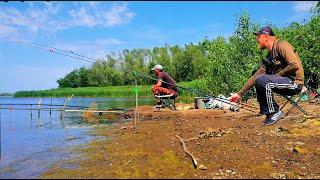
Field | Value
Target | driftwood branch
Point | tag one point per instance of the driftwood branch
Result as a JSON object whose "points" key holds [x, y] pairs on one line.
{"points": [[191, 139], [128, 127], [195, 163]]}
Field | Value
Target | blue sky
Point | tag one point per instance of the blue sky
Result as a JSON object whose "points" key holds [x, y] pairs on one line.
{"points": [[95, 29]]}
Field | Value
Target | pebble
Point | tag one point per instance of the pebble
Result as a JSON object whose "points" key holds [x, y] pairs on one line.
{"points": [[202, 167], [229, 171], [298, 150], [279, 176], [300, 143]]}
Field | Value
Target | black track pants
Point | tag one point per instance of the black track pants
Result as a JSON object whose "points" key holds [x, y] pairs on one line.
{"points": [[267, 84]]}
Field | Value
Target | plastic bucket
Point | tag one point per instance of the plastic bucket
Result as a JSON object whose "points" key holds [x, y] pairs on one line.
{"points": [[199, 102]]}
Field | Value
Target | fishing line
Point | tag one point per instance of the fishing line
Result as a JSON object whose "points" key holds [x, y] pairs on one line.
{"points": [[67, 51], [241, 103], [147, 76], [74, 56], [25, 104]]}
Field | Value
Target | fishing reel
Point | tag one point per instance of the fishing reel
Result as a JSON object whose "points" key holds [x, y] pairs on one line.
{"points": [[234, 108]]}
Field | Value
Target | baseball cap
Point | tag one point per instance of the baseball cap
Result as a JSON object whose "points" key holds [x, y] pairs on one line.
{"points": [[157, 66], [265, 30]]}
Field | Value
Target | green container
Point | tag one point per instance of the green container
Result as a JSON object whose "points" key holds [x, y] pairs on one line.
{"points": [[305, 98]]}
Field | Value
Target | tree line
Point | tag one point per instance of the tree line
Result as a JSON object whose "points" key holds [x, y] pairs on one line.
{"points": [[220, 65]]}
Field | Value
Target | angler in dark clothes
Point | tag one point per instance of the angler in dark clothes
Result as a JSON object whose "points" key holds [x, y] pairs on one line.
{"points": [[281, 72]]}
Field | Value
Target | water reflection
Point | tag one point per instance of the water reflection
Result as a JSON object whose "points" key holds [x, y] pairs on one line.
{"points": [[32, 140]]}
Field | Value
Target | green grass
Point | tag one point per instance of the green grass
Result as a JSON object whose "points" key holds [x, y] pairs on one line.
{"points": [[112, 91]]}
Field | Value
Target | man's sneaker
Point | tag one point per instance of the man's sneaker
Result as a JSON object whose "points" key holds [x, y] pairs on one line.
{"points": [[273, 118], [158, 106]]}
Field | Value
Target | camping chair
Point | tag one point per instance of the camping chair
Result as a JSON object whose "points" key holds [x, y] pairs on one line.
{"points": [[168, 101], [294, 100]]}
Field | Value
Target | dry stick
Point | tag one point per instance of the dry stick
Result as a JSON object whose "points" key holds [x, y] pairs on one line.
{"points": [[195, 163], [65, 104], [191, 139]]}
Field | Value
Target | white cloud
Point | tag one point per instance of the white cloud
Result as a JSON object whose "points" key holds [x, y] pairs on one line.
{"points": [[52, 8], [93, 3], [13, 17], [49, 18], [86, 16], [118, 15], [25, 23], [6, 31], [301, 11], [109, 41], [83, 18], [303, 6]]}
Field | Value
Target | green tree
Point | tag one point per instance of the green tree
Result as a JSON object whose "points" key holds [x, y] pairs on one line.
{"points": [[70, 80], [177, 56], [83, 75]]}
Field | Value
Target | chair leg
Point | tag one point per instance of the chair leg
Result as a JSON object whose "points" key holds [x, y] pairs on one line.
{"points": [[284, 104], [174, 104], [168, 103], [294, 104]]}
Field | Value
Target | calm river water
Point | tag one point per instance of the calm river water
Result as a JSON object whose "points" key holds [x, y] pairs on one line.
{"points": [[30, 145]]}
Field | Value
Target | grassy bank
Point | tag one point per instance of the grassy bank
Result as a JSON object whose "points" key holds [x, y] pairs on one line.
{"points": [[114, 91], [111, 91]]}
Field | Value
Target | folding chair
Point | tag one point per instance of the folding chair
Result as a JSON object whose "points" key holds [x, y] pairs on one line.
{"points": [[168, 101], [294, 101]]}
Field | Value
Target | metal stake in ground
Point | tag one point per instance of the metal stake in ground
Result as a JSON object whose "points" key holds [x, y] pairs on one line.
{"points": [[136, 111], [50, 107], [65, 104], [39, 107]]}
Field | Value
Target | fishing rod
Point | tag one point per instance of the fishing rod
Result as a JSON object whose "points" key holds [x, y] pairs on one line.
{"points": [[226, 100], [70, 110], [69, 107], [39, 109], [147, 76], [55, 50], [25, 104], [67, 51]]}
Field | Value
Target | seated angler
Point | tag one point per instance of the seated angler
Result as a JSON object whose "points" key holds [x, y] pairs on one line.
{"points": [[281, 72], [165, 84]]}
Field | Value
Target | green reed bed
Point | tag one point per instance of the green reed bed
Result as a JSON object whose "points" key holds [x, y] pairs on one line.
{"points": [[111, 91]]}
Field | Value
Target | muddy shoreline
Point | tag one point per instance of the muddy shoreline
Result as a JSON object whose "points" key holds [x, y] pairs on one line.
{"points": [[226, 145]]}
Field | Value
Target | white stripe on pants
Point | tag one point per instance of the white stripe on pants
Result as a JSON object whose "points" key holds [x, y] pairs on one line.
{"points": [[269, 97]]}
